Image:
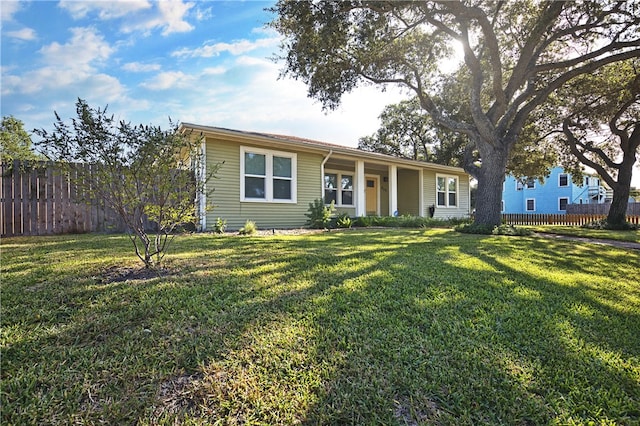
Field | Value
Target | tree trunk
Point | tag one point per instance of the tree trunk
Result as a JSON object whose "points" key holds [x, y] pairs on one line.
{"points": [[617, 216], [490, 177]]}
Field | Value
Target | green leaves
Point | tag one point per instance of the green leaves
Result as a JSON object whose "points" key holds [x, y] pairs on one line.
{"points": [[149, 176]]}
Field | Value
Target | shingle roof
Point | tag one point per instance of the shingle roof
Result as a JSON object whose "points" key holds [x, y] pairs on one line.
{"points": [[323, 146]]}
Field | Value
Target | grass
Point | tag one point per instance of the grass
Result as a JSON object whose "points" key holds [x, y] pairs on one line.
{"points": [[356, 327], [631, 236]]}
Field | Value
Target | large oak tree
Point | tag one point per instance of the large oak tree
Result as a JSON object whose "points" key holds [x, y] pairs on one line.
{"points": [[515, 55]]}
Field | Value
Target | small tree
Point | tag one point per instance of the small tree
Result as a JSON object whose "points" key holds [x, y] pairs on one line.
{"points": [[15, 141], [145, 174]]}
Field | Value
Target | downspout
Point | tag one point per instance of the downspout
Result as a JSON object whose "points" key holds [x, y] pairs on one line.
{"points": [[324, 161]]}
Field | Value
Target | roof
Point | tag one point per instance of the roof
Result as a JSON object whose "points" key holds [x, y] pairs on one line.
{"points": [[313, 145]]}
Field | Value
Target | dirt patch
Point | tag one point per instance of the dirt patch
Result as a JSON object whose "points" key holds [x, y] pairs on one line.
{"points": [[118, 274], [176, 396], [409, 413], [274, 231]]}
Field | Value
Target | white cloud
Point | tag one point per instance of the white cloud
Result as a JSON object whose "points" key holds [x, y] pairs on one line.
{"points": [[25, 34], [170, 17], [202, 14], [214, 71], [104, 9], [69, 67], [140, 67], [173, 13], [168, 80], [85, 47], [8, 9], [237, 47]]}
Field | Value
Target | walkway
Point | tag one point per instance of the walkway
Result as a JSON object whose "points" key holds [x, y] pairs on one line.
{"points": [[615, 243]]}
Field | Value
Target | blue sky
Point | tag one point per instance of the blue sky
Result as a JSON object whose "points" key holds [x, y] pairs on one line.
{"points": [[202, 62]]}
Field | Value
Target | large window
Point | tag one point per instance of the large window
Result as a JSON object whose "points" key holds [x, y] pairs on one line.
{"points": [[563, 179], [531, 204], [447, 191], [562, 203], [267, 175], [338, 188]]}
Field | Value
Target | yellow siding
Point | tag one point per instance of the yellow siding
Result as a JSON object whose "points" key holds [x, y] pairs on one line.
{"points": [[226, 196], [462, 210], [408, 192]]}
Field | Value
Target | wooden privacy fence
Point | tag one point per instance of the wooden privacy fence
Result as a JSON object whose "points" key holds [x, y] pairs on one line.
{"points": [[633, 209], [557, 219], [37, 198]]}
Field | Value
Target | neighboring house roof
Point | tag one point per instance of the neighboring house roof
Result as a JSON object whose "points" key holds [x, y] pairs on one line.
{"points": [[312, 145]]}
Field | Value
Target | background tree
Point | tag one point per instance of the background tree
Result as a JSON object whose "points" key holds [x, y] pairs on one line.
{"points": [[15, 142], [601, 128], [405, 131], [145, 174], [515, 55]]}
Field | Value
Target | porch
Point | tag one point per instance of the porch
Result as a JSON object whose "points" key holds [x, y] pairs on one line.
{"points": [[367, 188]]}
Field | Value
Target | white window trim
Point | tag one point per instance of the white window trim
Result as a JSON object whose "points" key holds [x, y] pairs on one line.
{"points": [[561, 185], [526, 184], [446, 192], [269, 154], [339, 175], [562, 198], [526, 204]]}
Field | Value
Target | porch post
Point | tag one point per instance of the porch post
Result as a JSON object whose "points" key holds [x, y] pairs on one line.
{"points": [[361, 208], [393, 189]]}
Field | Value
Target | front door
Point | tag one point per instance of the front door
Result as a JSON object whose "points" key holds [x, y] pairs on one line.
{"points": [[371, 195]]}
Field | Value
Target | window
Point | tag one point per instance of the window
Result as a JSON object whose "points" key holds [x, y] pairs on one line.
{"points": [[267, 175], [531, 204], [502, 206], [338, 188], [563, 179], [528, 183], [447, 191], [562, 203]]}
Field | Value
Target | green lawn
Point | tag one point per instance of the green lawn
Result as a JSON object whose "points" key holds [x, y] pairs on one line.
{"points": [[353, 327], [577, 231]]}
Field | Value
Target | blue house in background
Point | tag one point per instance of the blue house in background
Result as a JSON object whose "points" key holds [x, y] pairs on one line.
{"points": [[553, 196]]}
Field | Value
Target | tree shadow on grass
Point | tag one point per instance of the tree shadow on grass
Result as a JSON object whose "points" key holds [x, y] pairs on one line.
{"points": [[370, 327]]}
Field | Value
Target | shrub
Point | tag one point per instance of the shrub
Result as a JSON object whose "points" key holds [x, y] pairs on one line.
{"points": [[406, 221], [364, 221], [249, 228], [511, 230], [471, 228], [344, 221], [320, 214], [220, 226], [603, 224]]}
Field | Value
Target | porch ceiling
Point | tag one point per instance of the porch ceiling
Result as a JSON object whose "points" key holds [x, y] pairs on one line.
{"points": [[345, 164]]}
